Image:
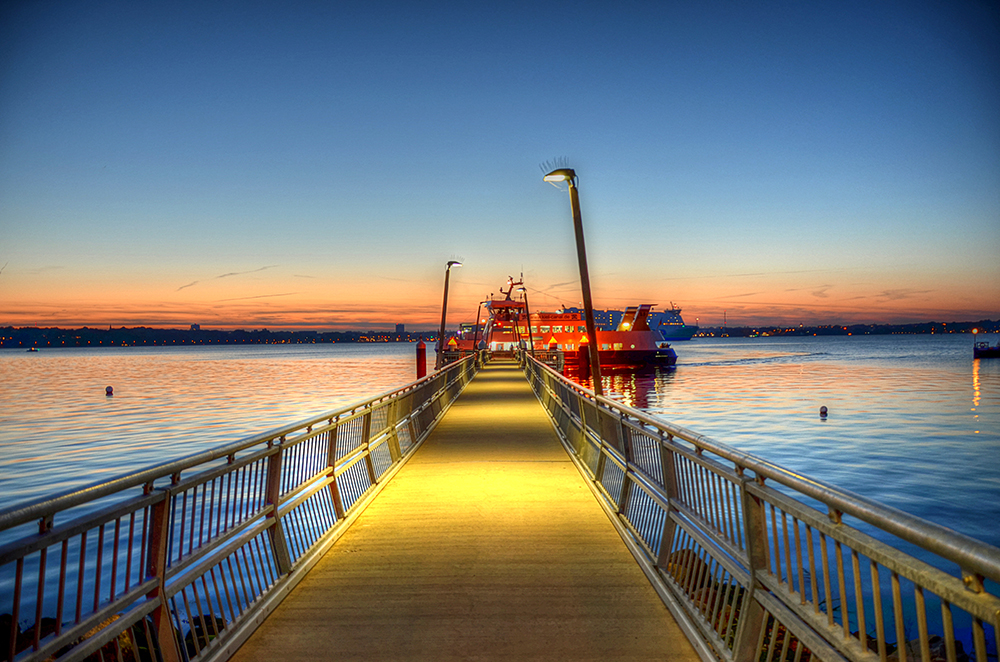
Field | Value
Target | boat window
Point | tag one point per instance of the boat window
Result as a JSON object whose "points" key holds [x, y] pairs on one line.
{"points": [[618, 346], [545, 329], [604, 346], [570, 348], [534, 329], [557, 329]]}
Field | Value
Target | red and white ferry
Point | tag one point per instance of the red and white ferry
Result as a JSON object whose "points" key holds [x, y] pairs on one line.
{"points": [[505, 327]]}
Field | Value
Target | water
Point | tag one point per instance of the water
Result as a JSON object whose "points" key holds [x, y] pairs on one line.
{"points": [[913, 421], [59, 430]]}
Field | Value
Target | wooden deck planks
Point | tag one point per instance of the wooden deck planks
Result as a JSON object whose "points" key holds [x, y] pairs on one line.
{"points": [[487, 545]]}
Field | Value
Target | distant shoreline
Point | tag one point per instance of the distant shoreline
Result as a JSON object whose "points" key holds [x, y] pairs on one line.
{"points": [[23, 337]]}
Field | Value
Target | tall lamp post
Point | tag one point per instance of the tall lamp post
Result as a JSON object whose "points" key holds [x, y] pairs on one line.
{"points": [[527, 312], [444, 314], [568, 175]]}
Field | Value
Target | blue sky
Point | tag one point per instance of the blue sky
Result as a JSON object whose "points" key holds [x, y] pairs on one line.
{"points": [[316, 164]]}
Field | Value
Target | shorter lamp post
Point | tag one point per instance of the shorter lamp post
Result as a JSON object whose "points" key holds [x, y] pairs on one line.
{"points": [[568, 175], [439, 361]]}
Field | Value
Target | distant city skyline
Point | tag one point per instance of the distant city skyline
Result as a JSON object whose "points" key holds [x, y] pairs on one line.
{"points": [[314, 166]]}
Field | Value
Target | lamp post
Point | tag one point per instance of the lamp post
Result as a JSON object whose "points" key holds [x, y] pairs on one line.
{"points": [[444, 314], [527, 313], [568, 175]]}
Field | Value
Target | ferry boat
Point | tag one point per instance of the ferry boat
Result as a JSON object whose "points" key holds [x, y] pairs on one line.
{"points": [[506, 328], [669, 323]]}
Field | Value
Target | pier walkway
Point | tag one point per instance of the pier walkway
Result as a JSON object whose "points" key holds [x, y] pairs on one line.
{"points": [[487, 544]]}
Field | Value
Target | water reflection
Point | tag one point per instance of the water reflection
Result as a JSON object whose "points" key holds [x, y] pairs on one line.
{"points": [[639, 388]]}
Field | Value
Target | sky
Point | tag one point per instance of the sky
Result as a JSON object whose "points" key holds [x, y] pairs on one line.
{"points": [[314, 165]]}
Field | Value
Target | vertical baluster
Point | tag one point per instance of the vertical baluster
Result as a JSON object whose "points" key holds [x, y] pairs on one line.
{"points": [[114, 558], [842, 587], [897, 608], [918, 595], [812, 569], [775, 561], [949, 631], [798, 560], [99, 567], [79, 577], [877, 605], [788, 552], [61, 599], [43, 555], [979, 639], [128, 555], [201, 518], [859, 599], [825, 555]]}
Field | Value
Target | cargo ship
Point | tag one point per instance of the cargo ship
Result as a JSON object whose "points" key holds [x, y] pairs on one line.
{"points": [[507, 325]]}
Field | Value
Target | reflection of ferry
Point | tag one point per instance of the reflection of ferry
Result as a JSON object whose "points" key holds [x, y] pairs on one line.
{"points": [[669, 323], [503, 329]]}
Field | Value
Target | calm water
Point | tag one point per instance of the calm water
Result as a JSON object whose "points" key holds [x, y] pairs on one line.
{"points": [[58, 429], [914, 421]]}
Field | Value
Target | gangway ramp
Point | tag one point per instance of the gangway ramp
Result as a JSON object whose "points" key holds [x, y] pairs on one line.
{"points": [[487, 544]]}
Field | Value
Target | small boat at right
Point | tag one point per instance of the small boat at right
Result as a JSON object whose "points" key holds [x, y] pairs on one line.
{"points": [[984, 350]]}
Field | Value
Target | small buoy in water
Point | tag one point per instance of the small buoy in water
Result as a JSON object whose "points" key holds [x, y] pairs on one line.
{"points": [[822, 411], [109, 391]]}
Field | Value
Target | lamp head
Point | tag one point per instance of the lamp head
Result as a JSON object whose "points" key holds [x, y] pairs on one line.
{"points": [[454, 263], [560, 175]]}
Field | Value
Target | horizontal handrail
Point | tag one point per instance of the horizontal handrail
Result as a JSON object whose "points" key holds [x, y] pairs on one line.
{"points": [[748, 569]]}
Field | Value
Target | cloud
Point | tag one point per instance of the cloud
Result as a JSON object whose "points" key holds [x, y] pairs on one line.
{"points": [[191, 284], [902, 293], [259, 296], [242, 273]]}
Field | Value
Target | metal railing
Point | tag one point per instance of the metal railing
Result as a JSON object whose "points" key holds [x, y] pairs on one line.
{"points": [[759, 563], [182, 561]]}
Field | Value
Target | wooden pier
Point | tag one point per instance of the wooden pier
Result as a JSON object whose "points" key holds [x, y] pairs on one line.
{"points": [[487, 544]]}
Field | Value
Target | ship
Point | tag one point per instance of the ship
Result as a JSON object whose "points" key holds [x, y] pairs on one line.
{"points": [[508, 326], [669, 323]]}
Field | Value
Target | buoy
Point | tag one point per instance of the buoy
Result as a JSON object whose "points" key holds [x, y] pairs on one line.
{"points": [[822, 411], [109, 391]]}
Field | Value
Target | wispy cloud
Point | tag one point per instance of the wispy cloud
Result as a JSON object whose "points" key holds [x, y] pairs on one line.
{"points": [[259, 296], [243, 273], [902, 293], [231, 273]]}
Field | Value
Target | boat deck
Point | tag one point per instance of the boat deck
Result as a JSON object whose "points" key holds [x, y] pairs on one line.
{"points": [[487, 544]]}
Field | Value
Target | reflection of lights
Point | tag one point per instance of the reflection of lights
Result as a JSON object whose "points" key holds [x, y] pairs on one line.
{"points": [[976, 393]]}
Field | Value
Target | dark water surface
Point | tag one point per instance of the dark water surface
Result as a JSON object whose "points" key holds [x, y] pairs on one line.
{"points": [[913, 421]]}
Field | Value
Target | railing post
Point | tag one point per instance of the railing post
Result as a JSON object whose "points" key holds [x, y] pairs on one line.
{"points": [[668, 470], [156, 566], [391, 414], [758, 556], [338, 502], [273, 498], [626, 440], [366, 434]]}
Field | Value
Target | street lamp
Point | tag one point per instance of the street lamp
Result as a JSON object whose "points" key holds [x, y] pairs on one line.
{"points": [[444, 313], [527, 313], [568, 175]]}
